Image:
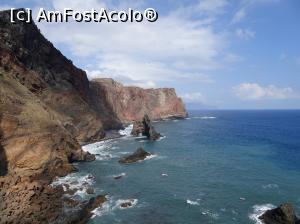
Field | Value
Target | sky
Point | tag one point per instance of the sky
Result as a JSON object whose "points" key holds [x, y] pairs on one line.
{"points": [[217, 54]]}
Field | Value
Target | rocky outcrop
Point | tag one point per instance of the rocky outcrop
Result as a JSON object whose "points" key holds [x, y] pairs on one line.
{"points": [[129, 104], [87, 208], [284, 214], [138, 155], [145, 128]]}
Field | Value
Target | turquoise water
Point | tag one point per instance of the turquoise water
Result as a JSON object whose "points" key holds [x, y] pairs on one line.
{"points": [[218, 167]]}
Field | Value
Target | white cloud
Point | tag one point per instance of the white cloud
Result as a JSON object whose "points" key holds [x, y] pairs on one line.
{"points": [[195, 97], [245, 34], [246, 5], [212, 6], [232, 58], [239, 15], [254, 91], [171, 48]]}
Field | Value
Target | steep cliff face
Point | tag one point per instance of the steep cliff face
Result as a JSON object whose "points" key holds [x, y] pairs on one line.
{"points": [[44, 113], [43, 70], [128, 104]]}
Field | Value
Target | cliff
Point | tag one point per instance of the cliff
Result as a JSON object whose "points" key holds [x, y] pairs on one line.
{"points": [[44, 113], [47, 109], [130, 103]]}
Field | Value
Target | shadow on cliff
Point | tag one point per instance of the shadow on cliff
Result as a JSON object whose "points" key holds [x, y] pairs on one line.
{"points": [[104, 109], [3, 158]]}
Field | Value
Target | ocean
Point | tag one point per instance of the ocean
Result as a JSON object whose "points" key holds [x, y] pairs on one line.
{"points": [[220, 167]]}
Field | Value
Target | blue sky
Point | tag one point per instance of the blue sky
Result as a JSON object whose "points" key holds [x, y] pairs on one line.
{"points": [[216, 53]]}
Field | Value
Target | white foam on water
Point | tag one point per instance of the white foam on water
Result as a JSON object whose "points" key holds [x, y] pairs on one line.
{"points": [[161, 138], [204, 117], [164, 175], [119, 175], [192, 202], [103, 150], [207, 117], [258, 210], [150, 157], [187, 118], [126, 132], [77, 182], [104, 209], [175, 120], [121, 201], [270, 186], [213, 215], [110, 205]]}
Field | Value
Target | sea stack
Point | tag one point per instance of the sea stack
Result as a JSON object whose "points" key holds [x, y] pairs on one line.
{"points": [[145, 128]]}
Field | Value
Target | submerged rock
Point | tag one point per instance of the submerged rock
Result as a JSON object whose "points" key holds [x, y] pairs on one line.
{"points": [[126, 204], [284, 214], [139, 154], [145, 128]]}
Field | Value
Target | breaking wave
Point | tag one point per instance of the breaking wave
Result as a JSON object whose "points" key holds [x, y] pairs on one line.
{"points": [[76, 183], [258, 210], [192, 202], [126, 132], [204, 117], [102, 150], [110, 205]]}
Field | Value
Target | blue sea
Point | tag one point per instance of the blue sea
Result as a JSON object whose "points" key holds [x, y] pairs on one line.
{"points": [[221, 167]]}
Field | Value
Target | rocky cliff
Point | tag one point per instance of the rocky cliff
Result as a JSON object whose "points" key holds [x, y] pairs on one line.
{"points": [[132, 103], [47, 108]]}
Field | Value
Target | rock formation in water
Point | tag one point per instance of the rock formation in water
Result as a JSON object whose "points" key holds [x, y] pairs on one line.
{"points": [[145, 128], [138, 155], [47, 109], [284, 214], [132, 103]]}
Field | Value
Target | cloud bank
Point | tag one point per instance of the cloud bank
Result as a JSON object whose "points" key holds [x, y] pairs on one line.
{"points": [[254, 91]]}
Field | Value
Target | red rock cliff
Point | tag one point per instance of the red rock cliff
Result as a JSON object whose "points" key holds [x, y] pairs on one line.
{"points": [[131, 103]]}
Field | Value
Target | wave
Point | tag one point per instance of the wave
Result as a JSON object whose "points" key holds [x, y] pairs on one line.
{"points": [[119, 175], [110, 205], [161, 138], [192, 202], [75, 182], [258, 210], [103, 150], [126, 132], [270, 186], [213, 215], [204, 117], [105, 208], [150, 157]]}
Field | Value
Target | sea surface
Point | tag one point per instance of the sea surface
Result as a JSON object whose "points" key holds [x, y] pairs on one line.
{"points": [[221, 167]]}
